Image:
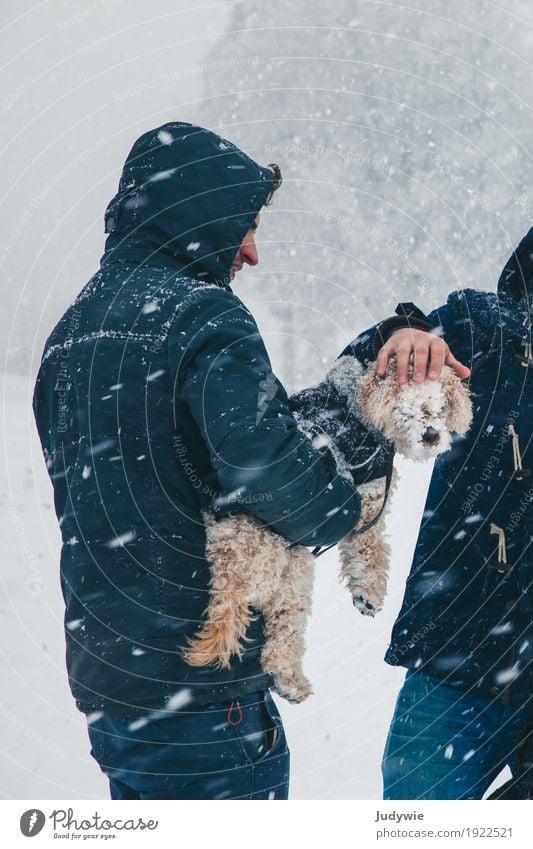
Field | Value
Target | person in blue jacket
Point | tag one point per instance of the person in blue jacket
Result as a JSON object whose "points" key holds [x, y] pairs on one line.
{"points": [[155, 399], [464, 631]]}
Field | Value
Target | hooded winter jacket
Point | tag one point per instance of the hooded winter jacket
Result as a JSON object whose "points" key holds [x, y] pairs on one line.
{"points": [[467, 611], [155, 399]]}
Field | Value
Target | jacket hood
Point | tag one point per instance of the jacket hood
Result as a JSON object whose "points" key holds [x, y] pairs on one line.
{"points": [[515, 285], [187, 196]]}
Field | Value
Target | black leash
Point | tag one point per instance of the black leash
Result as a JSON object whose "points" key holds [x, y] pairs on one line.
{"points": [[388, 481]]}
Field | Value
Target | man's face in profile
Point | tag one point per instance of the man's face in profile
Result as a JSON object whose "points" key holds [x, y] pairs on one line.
{"points": [[247, 253]]}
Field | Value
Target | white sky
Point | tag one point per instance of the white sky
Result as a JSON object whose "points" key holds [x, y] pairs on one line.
{"points": [[81, 81]]}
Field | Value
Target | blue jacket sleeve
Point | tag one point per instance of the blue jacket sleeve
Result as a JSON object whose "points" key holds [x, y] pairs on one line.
{"points": [[457, 321], [327, 412], [448, 321], [223, 373]]}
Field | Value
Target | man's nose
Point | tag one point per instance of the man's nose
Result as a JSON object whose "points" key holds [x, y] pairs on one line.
{"points": [[249, 253]]}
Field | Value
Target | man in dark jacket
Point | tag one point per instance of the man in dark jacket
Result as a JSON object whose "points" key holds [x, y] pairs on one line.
{"points": [[464, 631], [155, 399]]}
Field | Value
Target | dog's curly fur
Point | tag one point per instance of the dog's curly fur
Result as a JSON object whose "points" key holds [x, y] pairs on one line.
{"points": [[365, 557], [417, 417], [253, 568]]}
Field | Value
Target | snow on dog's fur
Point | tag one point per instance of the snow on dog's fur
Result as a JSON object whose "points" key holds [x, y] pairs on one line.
{"points": [[417, 417], [252, 567]]}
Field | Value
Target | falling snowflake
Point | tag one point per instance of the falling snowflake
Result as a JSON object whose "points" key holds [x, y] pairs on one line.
{"points": [[502, 628], [151, 306], [123, 539], [165, 137], [507, 675], [98, 447], [94, 717], [155, 374], [179, 699], [137, 723], [162, 175]]}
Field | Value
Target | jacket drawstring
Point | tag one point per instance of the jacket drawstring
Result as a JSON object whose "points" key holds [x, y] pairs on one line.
{"points": [[502, 551], [235, 708], [527, 354], [517, 457]]}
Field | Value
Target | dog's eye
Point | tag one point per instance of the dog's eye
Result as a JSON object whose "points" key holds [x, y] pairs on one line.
{"points": [[425, 409]]}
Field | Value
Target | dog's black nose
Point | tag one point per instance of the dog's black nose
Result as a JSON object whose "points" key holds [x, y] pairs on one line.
{"points": [[431, 436]]}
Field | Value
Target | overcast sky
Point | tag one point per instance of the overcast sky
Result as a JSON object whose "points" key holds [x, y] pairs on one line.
{"points": [[81, 81]]}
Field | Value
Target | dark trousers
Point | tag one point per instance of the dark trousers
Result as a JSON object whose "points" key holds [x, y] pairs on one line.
{"points": [[230, 750], [444, 743]]}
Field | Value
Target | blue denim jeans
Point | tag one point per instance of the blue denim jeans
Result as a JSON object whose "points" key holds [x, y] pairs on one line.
{"points": [[228, 750], [445, 743]]}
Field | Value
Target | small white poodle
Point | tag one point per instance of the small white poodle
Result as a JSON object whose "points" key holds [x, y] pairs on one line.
{"points": [[252, 567]]}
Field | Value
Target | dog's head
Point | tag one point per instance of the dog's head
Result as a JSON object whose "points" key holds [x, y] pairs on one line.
{"points": [[417, 417]]}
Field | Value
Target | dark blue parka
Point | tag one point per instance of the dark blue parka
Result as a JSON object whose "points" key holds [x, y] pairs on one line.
{"points": [[155, 399], [466, 614]]}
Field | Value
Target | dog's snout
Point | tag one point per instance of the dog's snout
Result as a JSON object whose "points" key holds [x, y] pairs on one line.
{"points": [[431, 436]]}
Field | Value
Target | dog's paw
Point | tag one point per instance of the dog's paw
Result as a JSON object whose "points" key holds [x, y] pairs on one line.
{"points": [[292, 688], [364, 606]]}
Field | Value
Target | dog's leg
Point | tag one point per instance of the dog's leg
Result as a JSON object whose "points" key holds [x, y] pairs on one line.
{"points": [[286, 615], [365, 557]]}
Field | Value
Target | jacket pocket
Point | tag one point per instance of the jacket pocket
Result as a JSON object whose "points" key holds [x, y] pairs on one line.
{"points": [[261, 733]]}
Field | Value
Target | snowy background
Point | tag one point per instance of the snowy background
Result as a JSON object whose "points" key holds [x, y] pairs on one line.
{"points": [[404, 137]]}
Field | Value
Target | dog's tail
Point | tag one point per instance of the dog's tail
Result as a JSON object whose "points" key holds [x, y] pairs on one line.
{"points": [[228, 614], [221, 635]]}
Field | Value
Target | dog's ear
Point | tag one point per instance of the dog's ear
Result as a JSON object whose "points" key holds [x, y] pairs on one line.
{"points": [[373, 398], [460, 413]]}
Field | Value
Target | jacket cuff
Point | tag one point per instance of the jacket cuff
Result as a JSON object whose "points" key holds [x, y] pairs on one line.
{"points": [[327, 415], [344, 375]]}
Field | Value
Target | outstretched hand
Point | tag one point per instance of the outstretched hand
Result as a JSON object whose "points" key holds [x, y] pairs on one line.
{"points": [[430, 354]]}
